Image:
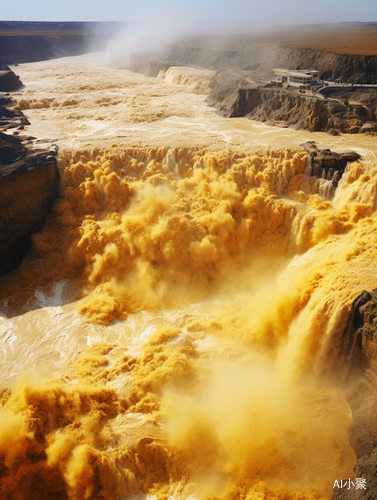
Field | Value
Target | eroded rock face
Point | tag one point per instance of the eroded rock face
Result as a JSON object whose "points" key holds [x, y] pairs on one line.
{"points": [[233, 94], [366, 469], [25, 41], [326, 164], [238, 95], [29, 185], [9, 81], [365, 97], [358, 361], [258, 60], [11, 118], [240, 86], [359, 345]]}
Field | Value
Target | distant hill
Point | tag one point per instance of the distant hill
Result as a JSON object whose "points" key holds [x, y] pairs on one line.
{"points": [[72, 25], [29, 41]]}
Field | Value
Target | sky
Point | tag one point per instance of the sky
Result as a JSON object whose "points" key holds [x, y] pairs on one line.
{"points": [[234, 14]]}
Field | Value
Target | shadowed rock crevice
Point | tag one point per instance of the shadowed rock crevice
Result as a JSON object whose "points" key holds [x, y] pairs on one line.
{"points": [[22, 42], [358, 361], [29, 185], [8, 79], [328, 165]]}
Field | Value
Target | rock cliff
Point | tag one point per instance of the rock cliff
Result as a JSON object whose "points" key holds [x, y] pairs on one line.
{"points": [[240, 86], [29, 184], [365, 97], [8, 79], [358, 362], [258, 60], [234, 95], [21, 48], [22, 42], [10, 118], [328, 165]]}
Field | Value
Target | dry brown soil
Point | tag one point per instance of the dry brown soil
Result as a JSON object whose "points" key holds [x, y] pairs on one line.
{"points": [[360, 40]]}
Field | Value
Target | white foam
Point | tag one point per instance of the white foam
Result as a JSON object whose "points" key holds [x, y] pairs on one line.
{"points": [[147, 332]]}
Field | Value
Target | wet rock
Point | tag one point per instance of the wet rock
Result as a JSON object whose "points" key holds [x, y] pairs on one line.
{"points": [[8, 80], [332, 131], [369, 127], [10, 118], [359, 343], [326, 164], [354, 130], [365, 469]]}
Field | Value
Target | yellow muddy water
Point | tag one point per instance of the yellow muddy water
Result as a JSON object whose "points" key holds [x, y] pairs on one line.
{"points": [[174, 331]]}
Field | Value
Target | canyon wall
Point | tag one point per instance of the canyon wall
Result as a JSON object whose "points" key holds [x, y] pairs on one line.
{"points": [[8, 79], [359, 361], [29, 184], [259, 60], [21, 49], [283, 107], [22, 42], [241, 85]]}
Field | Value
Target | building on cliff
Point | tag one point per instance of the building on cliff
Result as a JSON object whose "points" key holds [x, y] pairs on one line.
{"points": [[304, 79]]}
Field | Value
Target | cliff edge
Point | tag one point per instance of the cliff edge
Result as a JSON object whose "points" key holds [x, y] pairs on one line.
{"points": [[9, 81], [332, 111], [29, 185], [358, 361]]}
